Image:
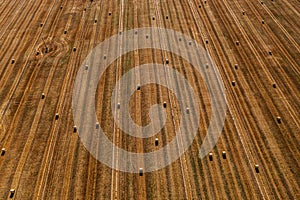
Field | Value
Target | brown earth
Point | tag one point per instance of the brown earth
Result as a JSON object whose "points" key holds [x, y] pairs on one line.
{"points": [[44, 159]]}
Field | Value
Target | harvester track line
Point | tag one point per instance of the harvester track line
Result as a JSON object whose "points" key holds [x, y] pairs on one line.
{"points": [[47, 159], [116, 132]]}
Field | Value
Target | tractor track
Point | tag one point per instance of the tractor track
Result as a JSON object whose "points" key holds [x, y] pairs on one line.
{"points": [[45, 158]]}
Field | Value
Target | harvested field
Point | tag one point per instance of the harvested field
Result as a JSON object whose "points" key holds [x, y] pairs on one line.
{"points": [[255, 46]]}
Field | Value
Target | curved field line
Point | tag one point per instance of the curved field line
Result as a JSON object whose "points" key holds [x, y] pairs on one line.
{"points": [[70, 157], [55, 23], [20, 74], [34, 126], [68, 24], [91, 182], [47, 159], [14, 87], [248, 135]]}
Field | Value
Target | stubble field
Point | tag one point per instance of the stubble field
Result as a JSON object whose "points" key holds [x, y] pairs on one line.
{"points": [[45, 159]]}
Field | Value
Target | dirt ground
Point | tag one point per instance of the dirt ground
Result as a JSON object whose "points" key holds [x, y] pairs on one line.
{"points": [[42, 157]]}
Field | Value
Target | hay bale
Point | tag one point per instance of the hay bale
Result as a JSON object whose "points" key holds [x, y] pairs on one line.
{"points": [[210, 156], [187, 110], [257, 168], [12, 193], [279, 120], [141, 171], [3, 151], [224, 154], [165, 104]]}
